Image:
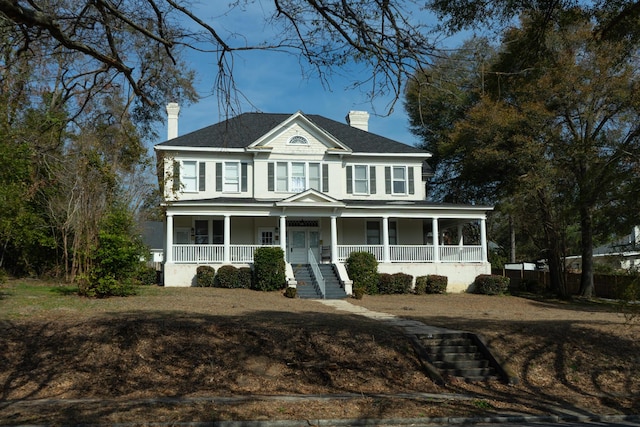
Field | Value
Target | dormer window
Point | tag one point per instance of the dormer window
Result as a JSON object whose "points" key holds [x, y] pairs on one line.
{"points": [[298, 140]]}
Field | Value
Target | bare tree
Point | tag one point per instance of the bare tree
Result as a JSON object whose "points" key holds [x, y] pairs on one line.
{"points": [[123, 39]]}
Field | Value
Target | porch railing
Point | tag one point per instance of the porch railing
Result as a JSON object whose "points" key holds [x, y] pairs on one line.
{"points": [[243, 254], [461, 253], [209, 254], [203, 254], [410, 253], [415, 253], [345, 250]]}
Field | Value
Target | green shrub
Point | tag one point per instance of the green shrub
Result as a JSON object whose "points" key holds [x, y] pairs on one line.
{"points": [[269, 269], [244, 277], [385, 284], [398, 283], [205, 276], [491, 284], [629, 301], [402, 282], [436, 284], [358, 293], [421, 285], [291, 292], [362, 268], [106, 286], [115, 260], [227, 277], [147, 276]]}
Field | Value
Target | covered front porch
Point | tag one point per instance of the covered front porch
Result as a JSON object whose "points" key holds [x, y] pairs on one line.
{"points": [[401, 240]]}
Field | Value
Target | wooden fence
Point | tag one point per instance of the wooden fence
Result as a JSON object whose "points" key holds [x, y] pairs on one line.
{"points": [[605, 286]]}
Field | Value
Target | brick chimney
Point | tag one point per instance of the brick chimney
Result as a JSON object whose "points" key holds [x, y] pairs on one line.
{"points": [[358, 119], [173, 110]]}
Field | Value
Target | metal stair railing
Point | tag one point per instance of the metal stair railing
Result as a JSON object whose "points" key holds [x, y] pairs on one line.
{"points": [[316, 272]]}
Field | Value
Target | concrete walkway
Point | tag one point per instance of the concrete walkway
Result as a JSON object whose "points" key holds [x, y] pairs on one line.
{"points": [[408, 326]]}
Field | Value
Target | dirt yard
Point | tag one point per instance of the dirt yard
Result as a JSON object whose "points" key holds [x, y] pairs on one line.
{"points": [[203, 354]]}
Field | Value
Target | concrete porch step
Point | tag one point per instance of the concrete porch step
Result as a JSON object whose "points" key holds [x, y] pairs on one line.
{"points": [[308, 288]]}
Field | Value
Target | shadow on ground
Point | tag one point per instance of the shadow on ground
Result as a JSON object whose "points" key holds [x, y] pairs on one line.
{"points": [[137, 355]]}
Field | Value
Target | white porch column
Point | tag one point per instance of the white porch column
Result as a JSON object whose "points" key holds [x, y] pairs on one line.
{"points": [[168, 256], [386, 255], [226, 255], [483, 239], [334, 239], [460, 236], [283, 235], [436, 239]]}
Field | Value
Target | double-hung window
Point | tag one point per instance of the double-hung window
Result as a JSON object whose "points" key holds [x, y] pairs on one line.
{"points": [[374, 233], [295, 177], [361, 179], [315, 176], [298, 181], [231, 177], [189, 176], [399, 180], [282, 176]]}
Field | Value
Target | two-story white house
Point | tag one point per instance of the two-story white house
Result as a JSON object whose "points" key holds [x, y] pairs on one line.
{"points": [[317, 188]]}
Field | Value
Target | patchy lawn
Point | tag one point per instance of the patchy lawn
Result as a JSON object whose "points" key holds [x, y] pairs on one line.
{"points": [[202, 354]]}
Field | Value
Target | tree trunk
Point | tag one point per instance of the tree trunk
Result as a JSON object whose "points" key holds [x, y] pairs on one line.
{"points": [[554, 247], [512, 240], [586, 233]]}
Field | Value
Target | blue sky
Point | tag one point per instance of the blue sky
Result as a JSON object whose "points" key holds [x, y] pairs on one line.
{"points": [[274, 83]]}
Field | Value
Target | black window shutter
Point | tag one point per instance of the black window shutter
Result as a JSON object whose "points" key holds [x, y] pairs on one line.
{"points": [[372, 179], [349, 179], [244, 176], [271, 177], [218, 176], [325, 178], [387, 180], [412, 187], [176, 175], [202, 176]]}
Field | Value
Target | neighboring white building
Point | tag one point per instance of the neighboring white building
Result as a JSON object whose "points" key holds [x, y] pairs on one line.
{"points": [[316, 188], [622, 254]]}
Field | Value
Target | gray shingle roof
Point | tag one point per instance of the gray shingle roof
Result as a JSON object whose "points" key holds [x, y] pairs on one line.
{"points": [[242, 130]]}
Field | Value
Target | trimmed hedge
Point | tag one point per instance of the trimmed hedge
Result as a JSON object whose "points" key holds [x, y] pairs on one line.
{"points": [[205, 276], [398, 283], [436, 284], [491, 284], [385, 284], [421, 285], [227, 277], [291, 292], [244, 277], [146, 276], [362, 268], [402, 282], [269, 269]]}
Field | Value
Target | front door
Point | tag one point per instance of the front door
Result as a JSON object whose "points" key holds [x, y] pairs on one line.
{"points": [[298, 247], [300, 241]]}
